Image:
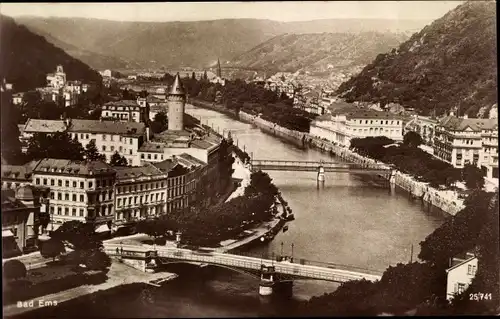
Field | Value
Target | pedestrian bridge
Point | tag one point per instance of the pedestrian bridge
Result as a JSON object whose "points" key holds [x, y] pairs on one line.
{"points": [[249, 264], [313, 166]]}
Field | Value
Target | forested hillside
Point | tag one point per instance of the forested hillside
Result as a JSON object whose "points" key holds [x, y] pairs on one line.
{"points": [[26, 58], [316, 51], [450, 64]]}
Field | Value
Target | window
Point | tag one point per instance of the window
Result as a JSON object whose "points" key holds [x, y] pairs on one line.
{"points": [[52, 209], [146, 198], [142, 156], [141, 187], [91, 185], [471, 270], [66, 211], [156, 156], [86, 136], [82, 185], [112, 148], [66, 196], [82, 198], [111, 137], [52, 182], [81, 212], [51, 195], [103, 137], [74, 197], [131, 141], [59, 210], [66, 183], [120, 148], [135, 200], [104, 148], [98, 184], [149, 156], [59, 183], [119, 202], [73, 212], [44, 181], [460, 288], [58, 196], [38, 181], [130, 152]]}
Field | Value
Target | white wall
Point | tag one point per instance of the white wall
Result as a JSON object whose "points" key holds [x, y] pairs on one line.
{"points": [[460, 275]]}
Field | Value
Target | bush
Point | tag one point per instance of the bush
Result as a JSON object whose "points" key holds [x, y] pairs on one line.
{"points": [[14, 269]]}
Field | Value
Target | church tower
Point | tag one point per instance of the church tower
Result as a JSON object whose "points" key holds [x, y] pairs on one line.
{"points": [[176, 102], [219, 71]]}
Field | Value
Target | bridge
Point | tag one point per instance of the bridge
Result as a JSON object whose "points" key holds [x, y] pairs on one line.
{"points": [[251, 265], [313, 166]]}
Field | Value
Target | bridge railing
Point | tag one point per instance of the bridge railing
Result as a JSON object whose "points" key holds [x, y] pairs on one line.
{"points": [[333, 165], [301, 261]]}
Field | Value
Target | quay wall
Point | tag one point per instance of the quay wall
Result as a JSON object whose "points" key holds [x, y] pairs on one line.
{"points": [[447, 201]]}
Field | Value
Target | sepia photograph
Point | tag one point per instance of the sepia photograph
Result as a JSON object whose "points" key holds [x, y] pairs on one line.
{"points": [[249, 159]]}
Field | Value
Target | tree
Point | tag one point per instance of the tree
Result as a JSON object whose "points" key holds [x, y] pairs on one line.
{"points": [[97, 260], [118, 160], [473, 176], [81, 235], [412, 139], [261, 183], [160, 122], [92, 153], [14, 269], [52, 249], [58, 145], [10, 143]]}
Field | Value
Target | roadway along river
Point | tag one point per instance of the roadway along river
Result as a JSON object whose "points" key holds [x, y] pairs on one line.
{"points": [[349, 221]]}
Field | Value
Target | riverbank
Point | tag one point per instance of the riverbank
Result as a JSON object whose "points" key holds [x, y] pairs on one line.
{"points": [[214, 107], [446, 200], [119, 274]]}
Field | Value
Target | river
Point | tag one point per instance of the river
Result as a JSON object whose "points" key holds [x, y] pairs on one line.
{"points": [[348, 221]]}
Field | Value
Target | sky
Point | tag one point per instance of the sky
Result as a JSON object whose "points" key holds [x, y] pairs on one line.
{"points": [[279, 11]]}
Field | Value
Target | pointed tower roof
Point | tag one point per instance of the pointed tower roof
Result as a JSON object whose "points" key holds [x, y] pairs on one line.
{"points": [[177, 88], [219, 71]]}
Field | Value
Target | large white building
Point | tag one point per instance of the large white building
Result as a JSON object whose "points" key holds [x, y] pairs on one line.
{"points": [[461, 141], [78, 190], [57, 80], [348, 122], [125, 111], [109, 136]]}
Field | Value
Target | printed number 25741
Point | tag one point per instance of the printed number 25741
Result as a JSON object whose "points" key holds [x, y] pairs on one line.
{"points": [[480, 296]]}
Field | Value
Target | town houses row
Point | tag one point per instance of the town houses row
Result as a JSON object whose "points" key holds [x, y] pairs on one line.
{"points": [[164, 174]]}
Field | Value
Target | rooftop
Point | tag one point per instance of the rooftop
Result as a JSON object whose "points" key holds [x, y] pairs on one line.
{"points": [[154, 147], [188, 160], [44, 126], [108, 127], [63, 166], [21, 172], [166, 165], [137, 171], [177, 88], [460, 124], [172, 136], [9, 200], [126, 103]]}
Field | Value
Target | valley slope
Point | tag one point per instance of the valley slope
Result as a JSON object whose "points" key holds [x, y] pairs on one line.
{"points": [[448, 65]]}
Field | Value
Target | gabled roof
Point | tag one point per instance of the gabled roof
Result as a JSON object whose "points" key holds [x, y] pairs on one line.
{"points": [[137, 171], [20, 172], [44, 126], [63, 166], [166, 165], [461, 263], [454, 123], [188, 160], [108, 127]]}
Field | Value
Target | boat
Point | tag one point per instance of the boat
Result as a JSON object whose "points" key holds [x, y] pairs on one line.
{"points": [[285, 228]]}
